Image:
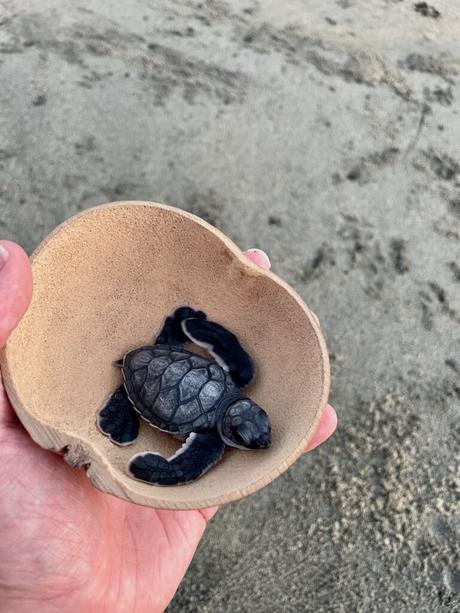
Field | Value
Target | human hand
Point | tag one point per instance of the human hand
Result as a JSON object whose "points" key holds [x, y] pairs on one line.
{"points": [[64, 545]]}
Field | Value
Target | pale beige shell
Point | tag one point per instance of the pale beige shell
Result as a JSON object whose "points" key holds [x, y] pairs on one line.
{"points": [[103, 283]]}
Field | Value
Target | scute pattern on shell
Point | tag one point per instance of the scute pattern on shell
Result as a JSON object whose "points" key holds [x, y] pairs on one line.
{"points": [[174, 390]]}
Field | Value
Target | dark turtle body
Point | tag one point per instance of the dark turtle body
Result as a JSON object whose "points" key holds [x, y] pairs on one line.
{"points": [[192, 397], [175, 390]]}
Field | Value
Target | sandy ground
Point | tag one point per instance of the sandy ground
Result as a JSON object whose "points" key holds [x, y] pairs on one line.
{"points": [[327, 133]]}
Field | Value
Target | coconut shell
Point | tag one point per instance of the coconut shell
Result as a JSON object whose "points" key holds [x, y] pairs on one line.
{"points": [[103, 283]]}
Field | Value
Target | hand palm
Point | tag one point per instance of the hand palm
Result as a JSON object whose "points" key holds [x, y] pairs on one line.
{"points": [[72, 544], [65, 546]]}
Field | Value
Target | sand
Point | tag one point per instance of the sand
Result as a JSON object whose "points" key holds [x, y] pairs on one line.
{"points": [[328, 134]]}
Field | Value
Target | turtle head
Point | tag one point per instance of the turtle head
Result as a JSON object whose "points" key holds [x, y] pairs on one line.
{"points": [[245, 425]]}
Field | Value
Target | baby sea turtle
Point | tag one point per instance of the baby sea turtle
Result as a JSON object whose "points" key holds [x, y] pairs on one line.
{"points": [[192, 397]]}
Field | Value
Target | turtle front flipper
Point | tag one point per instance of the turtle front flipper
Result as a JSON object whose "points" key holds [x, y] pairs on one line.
{"points": [[118, 420], [197, 455], [224, 346], [172, 333]]}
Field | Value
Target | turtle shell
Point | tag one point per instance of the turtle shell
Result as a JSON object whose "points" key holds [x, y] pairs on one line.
{"points": [[174, 389]]}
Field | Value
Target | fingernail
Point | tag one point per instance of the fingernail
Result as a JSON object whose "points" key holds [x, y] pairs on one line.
{"points": [[4, 255], [264, 259]]}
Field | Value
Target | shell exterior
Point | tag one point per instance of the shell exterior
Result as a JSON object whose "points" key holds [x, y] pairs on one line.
{"points": [[174, 389], [279, 329]]}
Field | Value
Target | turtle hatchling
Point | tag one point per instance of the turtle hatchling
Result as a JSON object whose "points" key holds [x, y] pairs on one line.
{"points": [[196, 399]]}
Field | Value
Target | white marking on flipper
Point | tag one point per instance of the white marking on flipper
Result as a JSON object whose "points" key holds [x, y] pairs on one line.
{"points": [[188, 441], [207, 346]]}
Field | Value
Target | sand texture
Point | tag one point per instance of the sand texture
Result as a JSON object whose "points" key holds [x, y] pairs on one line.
{"points": [[327, 133]]}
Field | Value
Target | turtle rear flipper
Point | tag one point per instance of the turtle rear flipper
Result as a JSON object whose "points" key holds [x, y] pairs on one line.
{"points": [[118, 420], [224, 346], [197, 455]]}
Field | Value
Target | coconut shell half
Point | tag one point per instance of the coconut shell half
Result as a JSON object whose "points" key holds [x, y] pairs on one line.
{"points": [[103, 283]]}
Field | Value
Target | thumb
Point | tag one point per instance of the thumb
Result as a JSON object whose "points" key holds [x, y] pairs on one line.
{"points": [[15, 287]]}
